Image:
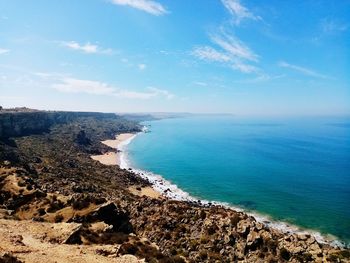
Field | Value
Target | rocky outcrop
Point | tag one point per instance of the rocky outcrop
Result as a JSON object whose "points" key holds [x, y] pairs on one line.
{"points": [[208, 234], [75, 220], [82, 139]]}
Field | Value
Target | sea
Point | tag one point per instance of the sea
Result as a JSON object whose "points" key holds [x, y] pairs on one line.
{"points": [[292, 173]]}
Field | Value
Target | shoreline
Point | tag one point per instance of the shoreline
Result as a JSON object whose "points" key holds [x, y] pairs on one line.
{"points": [[169, 190], [84, 203], [113, 157], [116, 158]]}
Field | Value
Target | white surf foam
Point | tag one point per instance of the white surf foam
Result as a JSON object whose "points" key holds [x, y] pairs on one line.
{"points": [[173, 192]]}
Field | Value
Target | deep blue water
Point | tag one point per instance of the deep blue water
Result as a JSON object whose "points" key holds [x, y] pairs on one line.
{"points": [[294, 170]]}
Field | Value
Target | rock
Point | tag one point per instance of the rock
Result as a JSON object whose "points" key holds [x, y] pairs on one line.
{"points": [[294, 248], [82, 138], [259, 225], [9, 258], [265, 235], [243, 227], [303, 237], [253, 240], [17, 240], [314, 249], [36, 159], [226, 239], [240, 250], [112, 215], [229, 240], [7, 163], [310, 240]]}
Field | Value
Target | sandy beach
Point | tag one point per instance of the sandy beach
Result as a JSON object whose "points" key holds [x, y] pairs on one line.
{"points": [[113, 157], [118, 140], [147, 191]]}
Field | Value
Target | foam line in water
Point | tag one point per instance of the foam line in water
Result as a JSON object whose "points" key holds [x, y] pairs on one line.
{"points": [[173, 192]]}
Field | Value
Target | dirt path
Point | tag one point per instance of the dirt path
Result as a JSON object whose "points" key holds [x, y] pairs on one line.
{"points": [[43, 242]]}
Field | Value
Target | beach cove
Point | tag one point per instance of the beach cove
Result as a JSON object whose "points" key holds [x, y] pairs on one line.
{"points": [[116, 158], [113, 157]]}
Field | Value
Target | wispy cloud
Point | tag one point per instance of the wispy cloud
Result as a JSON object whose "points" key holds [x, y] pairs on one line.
{"points": [[261, 78], [4, 51], [149, 6], [330, 26], [73, 85], [230, 51], [244, 68], [234, 47], [210, 54], [149, 94], [303, 70], [238, 11], [161, 92], [142, 66], [86, 48], [200, 83], [132, 64]]}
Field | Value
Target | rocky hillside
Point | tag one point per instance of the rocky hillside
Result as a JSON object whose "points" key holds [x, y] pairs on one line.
{"points": [[21, 122], [59, 205]]}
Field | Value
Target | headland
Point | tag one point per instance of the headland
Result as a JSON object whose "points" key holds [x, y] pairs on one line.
{"points": [[58, 204]]}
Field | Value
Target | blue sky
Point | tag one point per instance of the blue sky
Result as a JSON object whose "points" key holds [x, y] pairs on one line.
{"points": [[246, 57]]}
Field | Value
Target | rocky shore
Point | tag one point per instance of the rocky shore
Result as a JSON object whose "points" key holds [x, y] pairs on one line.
{"points": [[59, 205]]}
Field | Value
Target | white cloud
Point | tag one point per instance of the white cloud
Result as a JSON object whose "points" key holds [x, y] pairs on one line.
{"points": [[200, 83], [142, 66], [244, 68], [230, 50], [72, 85], [330, 26], [233, 53], [261, 78], [239, 11], [3, 51], [151, 93], [134, 95], [149, 6], [211, 54], [161, 92], [234, 47], [305, 71], [86, 48]]}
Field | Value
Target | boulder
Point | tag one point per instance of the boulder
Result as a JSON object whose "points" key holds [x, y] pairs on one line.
{"points": [[254, 240]]}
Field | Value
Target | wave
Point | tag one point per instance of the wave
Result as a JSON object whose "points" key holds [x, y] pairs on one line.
{"points": [[172, 191]]}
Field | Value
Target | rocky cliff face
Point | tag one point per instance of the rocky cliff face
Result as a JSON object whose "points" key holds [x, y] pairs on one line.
{"points": [[15, 124]]}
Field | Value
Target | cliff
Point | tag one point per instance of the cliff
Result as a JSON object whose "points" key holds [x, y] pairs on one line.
{"points": [[21, 123]]}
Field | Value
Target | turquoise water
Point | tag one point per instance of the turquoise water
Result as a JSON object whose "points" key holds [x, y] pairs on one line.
{"points": [[295, 170]]}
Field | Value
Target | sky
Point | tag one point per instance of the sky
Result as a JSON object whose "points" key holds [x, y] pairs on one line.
{"points": [[246, 57]]}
